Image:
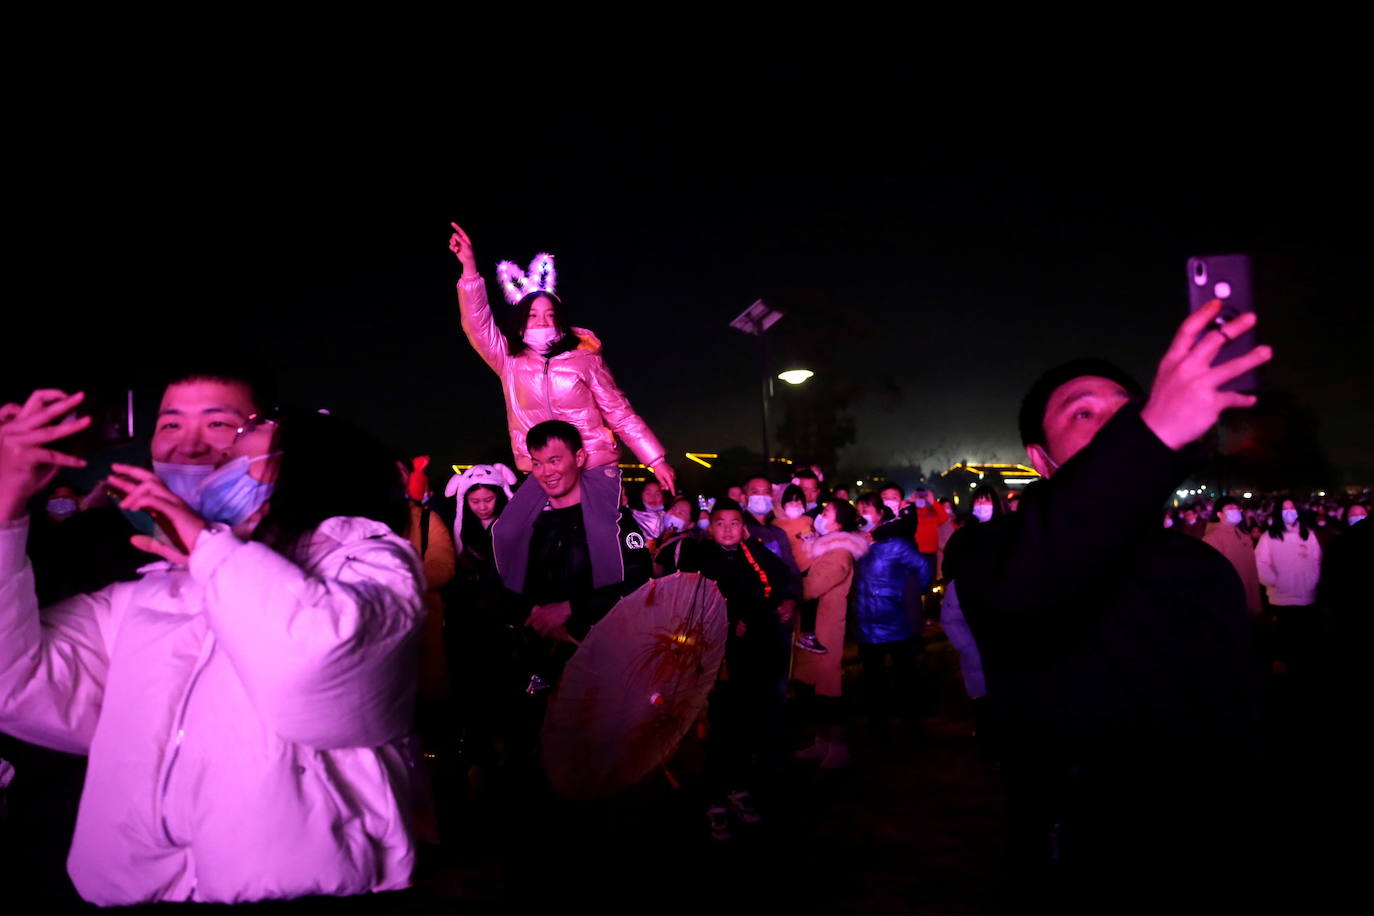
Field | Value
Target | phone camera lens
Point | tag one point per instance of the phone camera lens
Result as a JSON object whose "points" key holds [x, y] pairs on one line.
{"points": [[1222, 290]]}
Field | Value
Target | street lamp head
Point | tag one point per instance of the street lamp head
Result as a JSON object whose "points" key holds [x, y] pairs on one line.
{"points": [[795, 376]]}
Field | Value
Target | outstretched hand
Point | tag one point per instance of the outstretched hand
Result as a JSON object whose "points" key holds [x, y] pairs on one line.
{"points": [[666, 477], [461, 246], [26, 464], [144, 492], [1186, 398]]}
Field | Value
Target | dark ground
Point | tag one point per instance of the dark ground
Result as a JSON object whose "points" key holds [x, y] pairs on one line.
{"points": [[913, 825]]}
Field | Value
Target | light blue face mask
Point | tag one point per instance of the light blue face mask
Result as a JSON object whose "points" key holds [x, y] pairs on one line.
{"points": [[230, 495], [183, 479]]}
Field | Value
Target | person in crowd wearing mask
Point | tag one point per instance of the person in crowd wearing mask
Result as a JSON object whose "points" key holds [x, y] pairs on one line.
{"points": [[679, 526], [1288, 560], [62, 504], [892, 498], [549, 369], [985, 505], [1234, 544], [796, 524], [1357, 513], [930, 515], [833, 554], [872, 513], [202, 403], [809, 480], [799, 528], [887, 621], [759, 519], [566, 547], [744, 712], [1192, 523], [1109, 645], [269, 656], [648, 508]]}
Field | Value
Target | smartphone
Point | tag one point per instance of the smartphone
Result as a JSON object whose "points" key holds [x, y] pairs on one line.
{"points": [[1226, 277], [112, 421]]}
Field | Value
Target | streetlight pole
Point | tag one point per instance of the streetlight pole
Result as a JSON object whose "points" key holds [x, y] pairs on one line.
{"points": [[766, 394], [755, 321]]}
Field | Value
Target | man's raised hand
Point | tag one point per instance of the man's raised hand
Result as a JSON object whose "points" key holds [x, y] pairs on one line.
{"points": [[1185, 400], [27, 465]]}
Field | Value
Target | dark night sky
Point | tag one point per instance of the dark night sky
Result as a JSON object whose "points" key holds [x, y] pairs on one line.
{"points": [[979, 241]]}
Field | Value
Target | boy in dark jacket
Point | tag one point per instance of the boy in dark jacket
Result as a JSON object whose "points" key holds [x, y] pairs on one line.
{"points": [[760, 597]]}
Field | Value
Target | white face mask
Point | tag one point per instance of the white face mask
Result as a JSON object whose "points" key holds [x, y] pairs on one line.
{"points": [[1232, 516], [982, 512], [61, 507], [673, 523], [920, 504], [703, 523], [760, 505], [870, 522], [822, 526], [540, 339], [1355, 518], [183, 479], [1290, 516], [892, 504], [1168, 521], [793, 510]]}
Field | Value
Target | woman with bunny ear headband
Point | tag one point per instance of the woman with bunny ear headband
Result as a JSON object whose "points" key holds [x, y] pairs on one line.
{"points": [[482, 491], [549, 369]]}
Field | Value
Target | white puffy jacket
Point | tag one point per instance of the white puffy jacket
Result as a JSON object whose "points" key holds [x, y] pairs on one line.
{"points": [[1289, 569], [244, 717]]}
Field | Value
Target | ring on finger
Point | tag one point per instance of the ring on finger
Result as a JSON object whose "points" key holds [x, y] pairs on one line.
{"points": [[1228, 338]]}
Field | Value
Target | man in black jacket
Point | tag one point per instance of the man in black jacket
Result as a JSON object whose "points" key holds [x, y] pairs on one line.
{"points": [[565, 545], [1118, 654]]}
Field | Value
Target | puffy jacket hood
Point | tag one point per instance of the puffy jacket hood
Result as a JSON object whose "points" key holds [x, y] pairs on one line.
{"points": [[856, 544]]}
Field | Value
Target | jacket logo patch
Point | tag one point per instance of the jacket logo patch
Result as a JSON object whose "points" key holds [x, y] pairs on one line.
{"points": [[634, 540]]}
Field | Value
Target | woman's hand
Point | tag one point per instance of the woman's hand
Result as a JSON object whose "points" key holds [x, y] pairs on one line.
{"points": [[461, 246], [26, 466], [665, 475], [145, 492], [1186, 400]]}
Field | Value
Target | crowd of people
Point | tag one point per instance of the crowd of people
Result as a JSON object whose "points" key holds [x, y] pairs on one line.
{"points": [[284, 682]]}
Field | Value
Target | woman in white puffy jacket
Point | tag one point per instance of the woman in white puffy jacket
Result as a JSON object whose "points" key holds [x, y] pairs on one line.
{"points": [[245, 702], [1289, 561]]}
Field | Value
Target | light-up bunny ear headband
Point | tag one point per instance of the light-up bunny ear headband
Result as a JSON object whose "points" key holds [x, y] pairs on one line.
{"points": [[517, 284]]}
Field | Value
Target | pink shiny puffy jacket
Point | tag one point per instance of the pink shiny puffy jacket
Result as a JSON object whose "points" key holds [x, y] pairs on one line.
{"points": [[575, 387]]}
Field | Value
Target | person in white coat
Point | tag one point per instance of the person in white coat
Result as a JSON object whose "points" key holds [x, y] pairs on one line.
{"points": [[1288, 558], [245, 704]]}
